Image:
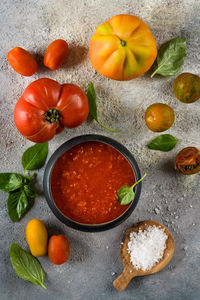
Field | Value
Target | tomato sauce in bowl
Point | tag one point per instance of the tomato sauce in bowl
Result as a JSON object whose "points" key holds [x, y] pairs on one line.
{"points": [[85, 179]]}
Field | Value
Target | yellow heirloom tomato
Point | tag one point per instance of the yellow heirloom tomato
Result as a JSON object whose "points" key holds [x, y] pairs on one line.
{"points": [[122, 48], [37, 237]]}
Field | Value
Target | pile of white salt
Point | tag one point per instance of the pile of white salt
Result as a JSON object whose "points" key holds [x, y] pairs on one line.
{"points": [[146, 248]]}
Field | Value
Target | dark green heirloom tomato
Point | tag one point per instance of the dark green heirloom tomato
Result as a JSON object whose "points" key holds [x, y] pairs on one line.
{"points": [[187, 87]]}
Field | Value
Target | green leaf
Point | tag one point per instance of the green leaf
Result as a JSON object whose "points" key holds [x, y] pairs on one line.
{"points": [[126, 194], [10, 181], [91, 94], [26, 266], [17, 204], [34, 157], [171, 57], [164, 142], [30, 192]]}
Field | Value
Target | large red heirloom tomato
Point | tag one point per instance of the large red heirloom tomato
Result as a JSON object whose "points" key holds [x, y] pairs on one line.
{"points": [[46, 107], [122, 48]]}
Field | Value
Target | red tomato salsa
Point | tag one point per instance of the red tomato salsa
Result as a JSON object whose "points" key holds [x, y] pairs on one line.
{"points": [[85, 181]]}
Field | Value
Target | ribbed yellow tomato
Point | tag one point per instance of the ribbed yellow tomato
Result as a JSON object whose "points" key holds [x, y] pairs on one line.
{"points": [[122, 48]]}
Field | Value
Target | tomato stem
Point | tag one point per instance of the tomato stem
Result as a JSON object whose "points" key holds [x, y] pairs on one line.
{"points": [[52, 115], [123, 43]]}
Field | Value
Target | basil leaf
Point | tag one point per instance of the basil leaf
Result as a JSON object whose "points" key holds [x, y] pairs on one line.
{"points": [[17, 204], [91, 94], [26, 266], [171, 57], [10, 181], [35, 156], [30, 192], [164, 142], [125, 195]]}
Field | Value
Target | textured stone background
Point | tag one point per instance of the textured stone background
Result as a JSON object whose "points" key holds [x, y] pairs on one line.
{"points": [[167, 197]]}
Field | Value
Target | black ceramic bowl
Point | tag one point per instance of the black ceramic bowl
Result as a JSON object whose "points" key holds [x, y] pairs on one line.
{"points": [[47, 179]]}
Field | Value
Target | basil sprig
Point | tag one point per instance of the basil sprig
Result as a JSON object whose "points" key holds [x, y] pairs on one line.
{"points": [[171, 57], [26, 266], [91, 94], [19, 186], [126, 194], [163, 142]]}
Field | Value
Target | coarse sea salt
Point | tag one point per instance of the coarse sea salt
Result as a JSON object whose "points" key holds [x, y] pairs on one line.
{"points": [[146, 248]]}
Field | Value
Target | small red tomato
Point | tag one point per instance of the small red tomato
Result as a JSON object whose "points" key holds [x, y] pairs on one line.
{"points": [[188, 161], [22, 61], [58, 249], [56, 54], [159, 117]]}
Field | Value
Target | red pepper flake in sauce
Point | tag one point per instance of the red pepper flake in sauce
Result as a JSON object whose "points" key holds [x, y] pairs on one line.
{"points": [[85, 181]]}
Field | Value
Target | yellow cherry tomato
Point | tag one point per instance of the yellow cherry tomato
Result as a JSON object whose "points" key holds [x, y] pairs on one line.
{"points": [[159, 117], [37, 237]]}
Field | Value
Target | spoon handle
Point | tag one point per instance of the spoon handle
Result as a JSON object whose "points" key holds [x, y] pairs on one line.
{"points": [[123, 280]]}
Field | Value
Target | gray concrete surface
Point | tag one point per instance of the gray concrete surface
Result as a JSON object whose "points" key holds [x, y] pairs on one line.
{"points": [[167, 197]]}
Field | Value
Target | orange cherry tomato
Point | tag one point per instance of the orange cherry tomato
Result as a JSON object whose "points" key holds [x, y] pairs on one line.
{"points": [[188, 161], [56, 54], [122, 48], [159, 117], [22, 61], [58, 249]]}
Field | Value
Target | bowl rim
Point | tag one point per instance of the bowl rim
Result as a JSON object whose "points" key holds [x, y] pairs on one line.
{"points": [[65, 147]]}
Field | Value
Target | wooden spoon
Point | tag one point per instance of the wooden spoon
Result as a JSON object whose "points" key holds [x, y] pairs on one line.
{"points": [[129, 272]]}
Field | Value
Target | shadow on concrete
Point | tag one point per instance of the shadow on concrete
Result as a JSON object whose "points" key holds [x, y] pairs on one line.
{"points": [[76, 55]]}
